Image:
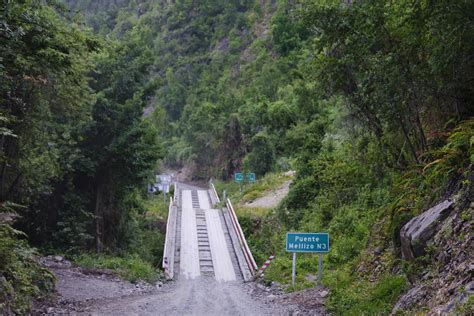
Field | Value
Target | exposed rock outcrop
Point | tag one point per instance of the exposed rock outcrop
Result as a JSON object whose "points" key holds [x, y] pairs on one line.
{"points": [[446, 283], [420, 230]]}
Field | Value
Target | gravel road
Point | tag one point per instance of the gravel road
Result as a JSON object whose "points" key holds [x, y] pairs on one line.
{"points": [[201, 296], [272, 198], [99, 292]]}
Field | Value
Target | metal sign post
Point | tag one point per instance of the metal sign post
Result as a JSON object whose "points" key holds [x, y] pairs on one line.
{"points": [[320, 268], [239, 178], [165, 189], [293, 272], [307, 242]]}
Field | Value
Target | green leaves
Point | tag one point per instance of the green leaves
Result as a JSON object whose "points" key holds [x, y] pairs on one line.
{"points": [[7, 132], [22, 277], [262, 156]]}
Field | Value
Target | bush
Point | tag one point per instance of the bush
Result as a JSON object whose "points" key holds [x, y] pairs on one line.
{"points": [[22, 278], [261, 157]]}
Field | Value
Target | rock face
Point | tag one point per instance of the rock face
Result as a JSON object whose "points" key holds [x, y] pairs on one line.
{"points": [[411, 298], [445, 286], [421, 229]]}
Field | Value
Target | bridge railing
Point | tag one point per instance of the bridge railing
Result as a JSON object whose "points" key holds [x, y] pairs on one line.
{"points": [[238, 230], [175, 195], [214, 192], [242, 241], [169, 249]]}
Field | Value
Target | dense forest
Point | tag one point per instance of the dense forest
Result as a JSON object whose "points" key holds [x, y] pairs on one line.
{"points": [[370, 102]]}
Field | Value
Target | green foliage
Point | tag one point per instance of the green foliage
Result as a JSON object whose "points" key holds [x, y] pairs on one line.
{"points": [[74, 148], [287, 30], [467, 307], [131, 267], [261, 158], [73, 136], [455, 156], [358, 98], [141, 248], [149, 240], [363, 297], [22, 277], [413, 186]]}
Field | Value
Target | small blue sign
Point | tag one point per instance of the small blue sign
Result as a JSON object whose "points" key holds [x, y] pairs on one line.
{"points": [[239, 177], [251, 177], [307, 242]]}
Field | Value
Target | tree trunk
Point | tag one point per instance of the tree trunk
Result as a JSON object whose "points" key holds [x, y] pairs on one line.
{"points": [[98, 218], [13, 185], [3, 173], [410, 144], [424, 142]]}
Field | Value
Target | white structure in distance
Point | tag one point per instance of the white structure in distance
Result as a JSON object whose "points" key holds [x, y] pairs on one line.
{"points": [[162, 183]]}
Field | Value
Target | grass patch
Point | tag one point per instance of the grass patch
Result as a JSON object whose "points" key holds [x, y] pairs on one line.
{"points": [[130, 267], [156, 206], [467, 308], [281, 267], [251, 211], [351, 295]]}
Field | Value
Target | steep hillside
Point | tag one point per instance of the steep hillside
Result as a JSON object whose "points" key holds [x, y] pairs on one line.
{"points": [[370, 102]]}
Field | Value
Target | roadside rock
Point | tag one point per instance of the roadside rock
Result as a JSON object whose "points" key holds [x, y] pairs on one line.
{"points": [[470, 288], [290, 173], [421, 229], [307, 302], [445, 285], [8, 217], [410, 299], [55, 262], [311, 277]]}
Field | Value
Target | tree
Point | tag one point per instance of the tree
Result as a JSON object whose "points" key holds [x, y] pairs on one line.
{"points": [[262, 156]]}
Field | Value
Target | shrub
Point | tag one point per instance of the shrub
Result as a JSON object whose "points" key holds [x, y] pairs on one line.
{"points": [[22, 277], [261, 157]]}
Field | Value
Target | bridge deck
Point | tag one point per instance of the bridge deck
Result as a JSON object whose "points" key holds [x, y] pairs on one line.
{"points": [[203, 243]]}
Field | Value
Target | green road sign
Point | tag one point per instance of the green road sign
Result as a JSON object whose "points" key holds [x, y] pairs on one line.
{"points": [[307, 242], [239, 177], [251, 177]]}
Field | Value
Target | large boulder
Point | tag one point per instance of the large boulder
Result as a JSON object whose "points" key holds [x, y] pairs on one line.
{"points": [[420, 230]]}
